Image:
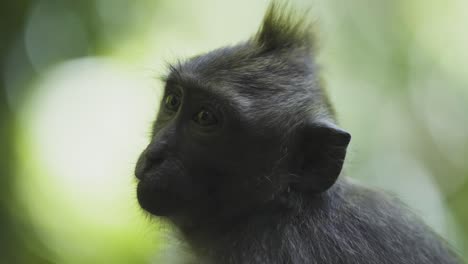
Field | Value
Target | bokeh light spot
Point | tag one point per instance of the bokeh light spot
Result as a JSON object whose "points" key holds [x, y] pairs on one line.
{"points": [[85, 125]]}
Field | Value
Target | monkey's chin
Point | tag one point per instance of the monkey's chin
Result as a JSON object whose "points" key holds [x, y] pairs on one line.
{"points": [[155, 201]]}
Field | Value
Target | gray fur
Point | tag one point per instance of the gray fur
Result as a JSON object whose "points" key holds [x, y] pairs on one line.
{"points": [[261, 187]]}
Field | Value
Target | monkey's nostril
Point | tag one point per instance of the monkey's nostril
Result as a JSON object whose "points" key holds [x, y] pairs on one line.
{"points": [[145, 165]]}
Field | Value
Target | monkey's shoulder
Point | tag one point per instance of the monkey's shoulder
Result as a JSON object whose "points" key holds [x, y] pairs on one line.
{"points": [[359, 221]]}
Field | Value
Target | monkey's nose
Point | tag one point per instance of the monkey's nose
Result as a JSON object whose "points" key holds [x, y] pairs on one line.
{"points": [[146, 163], [140, 168]]}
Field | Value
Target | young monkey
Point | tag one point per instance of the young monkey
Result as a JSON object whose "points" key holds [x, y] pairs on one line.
{"points": [[245, 159]]}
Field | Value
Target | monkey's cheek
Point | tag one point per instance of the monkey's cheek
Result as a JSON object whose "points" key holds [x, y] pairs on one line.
{"points": [[155, 201]]}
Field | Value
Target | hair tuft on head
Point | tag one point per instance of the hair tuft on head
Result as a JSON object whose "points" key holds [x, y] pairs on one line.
{"points": [[283, 28]]}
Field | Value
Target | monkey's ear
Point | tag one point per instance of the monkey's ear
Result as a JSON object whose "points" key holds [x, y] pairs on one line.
{"points": [[323, 150]]}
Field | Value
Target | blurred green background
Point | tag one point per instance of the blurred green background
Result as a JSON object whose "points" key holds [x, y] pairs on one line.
{"points": [[79, 89]]}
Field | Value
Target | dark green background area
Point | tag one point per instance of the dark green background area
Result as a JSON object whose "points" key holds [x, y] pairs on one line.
{"points": [[396, 71]]}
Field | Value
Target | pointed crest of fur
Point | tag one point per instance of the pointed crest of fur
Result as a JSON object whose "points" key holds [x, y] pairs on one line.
{"points": [[283, 28]]}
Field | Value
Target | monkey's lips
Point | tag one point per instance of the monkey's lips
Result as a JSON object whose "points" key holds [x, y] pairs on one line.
{"points": [[155, 200]]}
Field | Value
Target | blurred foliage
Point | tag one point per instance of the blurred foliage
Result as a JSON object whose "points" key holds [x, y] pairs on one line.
{"points": [[77, 99]]}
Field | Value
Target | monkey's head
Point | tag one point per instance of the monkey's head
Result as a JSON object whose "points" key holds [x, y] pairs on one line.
{"points": [[240, 126]]}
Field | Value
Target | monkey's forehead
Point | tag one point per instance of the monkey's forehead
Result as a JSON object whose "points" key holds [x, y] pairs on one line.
{"points": [[253, 82], [246, 69]]}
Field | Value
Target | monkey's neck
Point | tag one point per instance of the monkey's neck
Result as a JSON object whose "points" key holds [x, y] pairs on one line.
{"points": [[254, 234]]}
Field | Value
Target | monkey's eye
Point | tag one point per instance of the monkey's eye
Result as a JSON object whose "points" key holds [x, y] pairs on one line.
{"points": [[172, 102], [205, 118]]}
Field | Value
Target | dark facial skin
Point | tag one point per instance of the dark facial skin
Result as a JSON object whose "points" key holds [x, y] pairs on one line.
{"points": [[245, 157]]}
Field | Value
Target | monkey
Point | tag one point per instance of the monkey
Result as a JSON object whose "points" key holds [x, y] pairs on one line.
{"points": [[245, 161]]}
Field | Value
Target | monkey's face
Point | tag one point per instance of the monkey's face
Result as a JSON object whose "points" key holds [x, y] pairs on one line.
{"points": [[205, 159]]}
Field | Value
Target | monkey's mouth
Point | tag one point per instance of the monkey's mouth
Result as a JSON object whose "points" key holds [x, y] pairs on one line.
{"points": [[155, 200]]}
